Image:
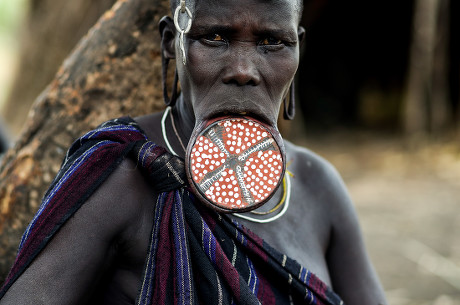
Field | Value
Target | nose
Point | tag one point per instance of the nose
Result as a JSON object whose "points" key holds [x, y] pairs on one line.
{"points": [[241, 70]]}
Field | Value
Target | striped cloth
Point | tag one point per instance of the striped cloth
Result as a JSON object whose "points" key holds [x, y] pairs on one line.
{"points": [[196, 256]]}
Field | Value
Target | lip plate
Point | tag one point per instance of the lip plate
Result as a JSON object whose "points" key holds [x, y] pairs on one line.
{"points": [[202, 128]]}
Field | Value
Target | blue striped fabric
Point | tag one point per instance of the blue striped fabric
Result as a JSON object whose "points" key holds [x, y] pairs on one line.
{"points": [[195, 255]]}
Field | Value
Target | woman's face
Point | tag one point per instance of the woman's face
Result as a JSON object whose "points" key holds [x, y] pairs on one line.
{"points": [[242, 56]]}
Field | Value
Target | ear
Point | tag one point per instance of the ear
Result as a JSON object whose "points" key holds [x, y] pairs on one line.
{"points": [[301, 34], [168, 37]]}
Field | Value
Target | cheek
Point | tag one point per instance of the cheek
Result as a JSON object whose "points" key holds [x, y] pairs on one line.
{"points": [[197, 69], [202, 65], [287, 65], [282, 72]]}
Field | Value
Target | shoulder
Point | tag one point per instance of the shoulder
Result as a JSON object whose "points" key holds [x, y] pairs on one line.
{"points": [[116, 184], [312, 170], [116, 216], [320, 182], [113, 187], [151, 125], [305, 159], [122, 199]]}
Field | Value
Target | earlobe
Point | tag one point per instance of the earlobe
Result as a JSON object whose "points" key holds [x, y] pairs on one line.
{"points": [[168, 36], [301, 34]]}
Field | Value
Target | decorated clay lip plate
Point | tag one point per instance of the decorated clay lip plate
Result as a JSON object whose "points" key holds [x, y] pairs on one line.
{"points": [[235, 164]]}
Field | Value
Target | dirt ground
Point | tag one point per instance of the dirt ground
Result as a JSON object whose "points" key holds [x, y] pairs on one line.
{"points": [[407, 194]]}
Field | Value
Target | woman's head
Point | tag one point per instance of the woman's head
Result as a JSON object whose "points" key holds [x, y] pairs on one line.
{"points": [[242, 56]]}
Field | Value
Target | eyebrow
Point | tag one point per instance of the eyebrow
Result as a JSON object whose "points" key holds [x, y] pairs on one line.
{"points": [[212, 28], [228, 30], [278, 33]]}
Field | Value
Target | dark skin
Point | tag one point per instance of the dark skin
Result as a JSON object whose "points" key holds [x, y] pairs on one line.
{"points": [[241, 58]]}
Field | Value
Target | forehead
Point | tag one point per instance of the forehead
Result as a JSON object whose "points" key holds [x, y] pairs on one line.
{"points": [[280, 12]]}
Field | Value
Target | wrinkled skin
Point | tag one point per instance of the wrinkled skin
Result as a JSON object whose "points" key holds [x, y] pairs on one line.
{"points": [[242, 56], [237, 65]]}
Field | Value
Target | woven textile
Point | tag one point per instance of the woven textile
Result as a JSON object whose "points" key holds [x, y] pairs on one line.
{"points": [[196, 256]]}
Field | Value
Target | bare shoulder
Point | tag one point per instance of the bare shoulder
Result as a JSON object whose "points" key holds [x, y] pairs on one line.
{"points": [[319, 194], [125, 195], [327, 197], [318, 177], [308, 163]]}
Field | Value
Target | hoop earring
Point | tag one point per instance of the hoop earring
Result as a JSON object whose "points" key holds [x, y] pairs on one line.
{"points": [[289, 110], [164, 69]]}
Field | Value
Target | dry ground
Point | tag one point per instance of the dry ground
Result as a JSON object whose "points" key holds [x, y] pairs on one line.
{"points": [[407, 194]]}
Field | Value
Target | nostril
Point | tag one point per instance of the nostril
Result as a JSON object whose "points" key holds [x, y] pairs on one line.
{"points": [[233, 81], [251, 82], [230, 81]]}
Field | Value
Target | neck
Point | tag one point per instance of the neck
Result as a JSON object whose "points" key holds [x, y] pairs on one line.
{"points": [[184, 119]]}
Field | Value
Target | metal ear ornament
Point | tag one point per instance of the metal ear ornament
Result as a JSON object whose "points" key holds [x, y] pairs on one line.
{"points": [[182, 9]]}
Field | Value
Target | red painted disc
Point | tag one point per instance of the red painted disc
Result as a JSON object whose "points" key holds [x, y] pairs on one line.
{"points": [[235, 164]]}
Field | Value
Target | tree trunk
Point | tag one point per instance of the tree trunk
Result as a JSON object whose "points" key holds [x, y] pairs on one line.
{"points": [[457, 116], [427, 105], [51, 30], [441, 109], [115, 70]]}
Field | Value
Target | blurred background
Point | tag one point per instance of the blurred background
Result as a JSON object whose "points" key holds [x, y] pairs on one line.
{"points": [[378, 96]]}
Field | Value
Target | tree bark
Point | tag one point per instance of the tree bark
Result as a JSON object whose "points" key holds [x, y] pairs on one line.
{"points": [[50, 32], [115, 70]]}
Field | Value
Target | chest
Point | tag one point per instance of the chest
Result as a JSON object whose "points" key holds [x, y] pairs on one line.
{"points": [[301, 233]]}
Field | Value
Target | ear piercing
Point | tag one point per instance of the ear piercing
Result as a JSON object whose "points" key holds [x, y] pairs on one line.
{"points": [[182, 9]]}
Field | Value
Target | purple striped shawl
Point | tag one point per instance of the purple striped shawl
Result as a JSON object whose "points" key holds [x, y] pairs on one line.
{"points": [[196, 256]]}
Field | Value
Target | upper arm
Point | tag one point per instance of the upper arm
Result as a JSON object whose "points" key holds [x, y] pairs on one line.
{"points": [[69, 267], [352, 274]]}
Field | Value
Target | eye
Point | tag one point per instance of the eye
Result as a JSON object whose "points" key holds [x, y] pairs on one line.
{"points": [[271, 44], [270, 41], [215, 37], [213, 40]]}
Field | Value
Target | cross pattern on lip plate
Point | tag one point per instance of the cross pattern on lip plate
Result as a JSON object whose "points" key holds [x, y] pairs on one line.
{"points": [[236, 163]]}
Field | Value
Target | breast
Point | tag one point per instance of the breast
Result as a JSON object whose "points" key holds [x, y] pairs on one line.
{"points": [[295, 239], [302, 233]]}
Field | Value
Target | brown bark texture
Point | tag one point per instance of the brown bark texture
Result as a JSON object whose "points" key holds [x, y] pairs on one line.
{"points": [[50, 31], [115, 70]]}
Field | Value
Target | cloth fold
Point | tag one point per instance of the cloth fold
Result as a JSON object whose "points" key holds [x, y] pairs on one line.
{"points": [[195, 255]]}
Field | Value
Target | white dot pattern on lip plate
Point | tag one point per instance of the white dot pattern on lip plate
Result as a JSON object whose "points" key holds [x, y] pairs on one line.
{"points": [[236, 163]]}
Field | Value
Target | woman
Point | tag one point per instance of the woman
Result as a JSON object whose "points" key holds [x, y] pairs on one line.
{"points": [[118, 225]]}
